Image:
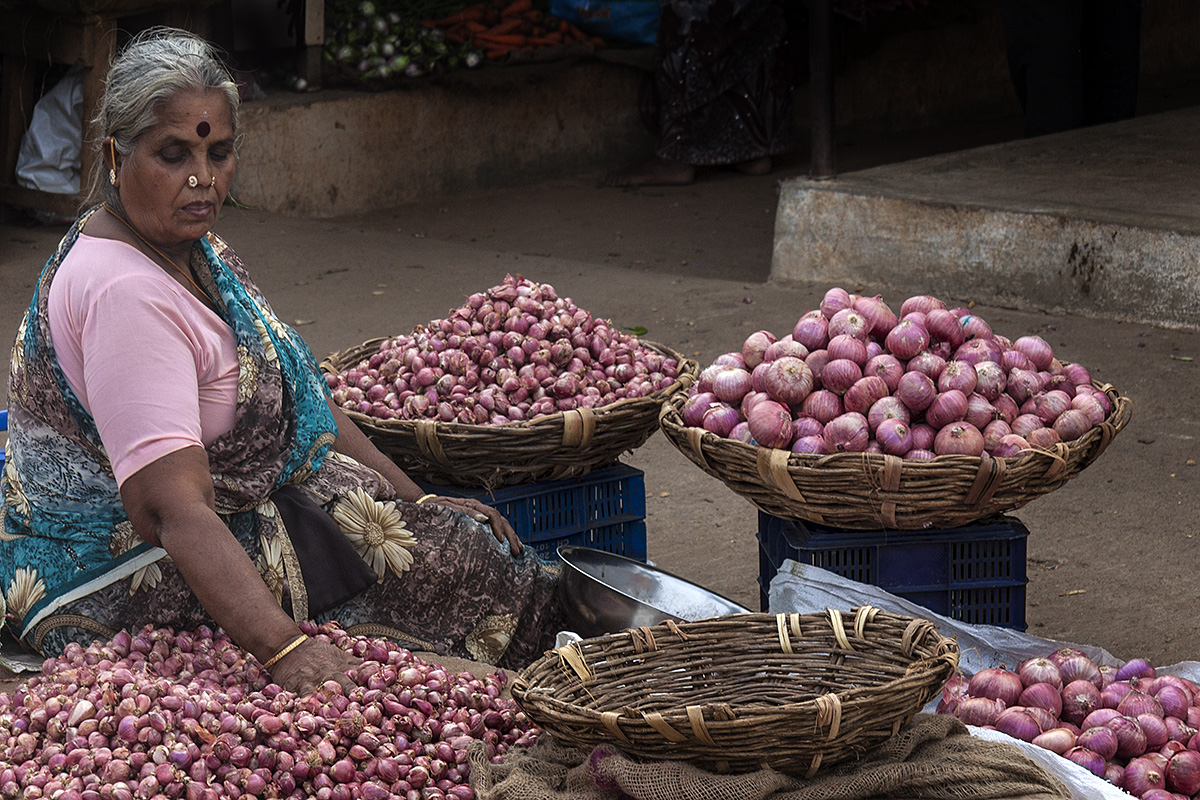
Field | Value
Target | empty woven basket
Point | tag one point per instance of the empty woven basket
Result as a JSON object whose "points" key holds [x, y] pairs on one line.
{"points": [[793, 692]]}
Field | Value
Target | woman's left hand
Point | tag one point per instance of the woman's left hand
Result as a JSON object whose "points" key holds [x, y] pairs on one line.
{"points": [[481, 512]]}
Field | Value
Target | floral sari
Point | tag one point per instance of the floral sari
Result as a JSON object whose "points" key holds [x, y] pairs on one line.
{"points": [[72, 568]]}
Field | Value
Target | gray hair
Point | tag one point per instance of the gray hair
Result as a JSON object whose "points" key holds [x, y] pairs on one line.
{"points": [[156, 65]]}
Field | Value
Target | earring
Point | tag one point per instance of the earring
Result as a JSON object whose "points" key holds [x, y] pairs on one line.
{"points": [[112, 177], [193, 181]]}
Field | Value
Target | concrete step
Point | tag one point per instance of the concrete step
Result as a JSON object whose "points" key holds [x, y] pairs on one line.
{"points": [[1099, 221]]}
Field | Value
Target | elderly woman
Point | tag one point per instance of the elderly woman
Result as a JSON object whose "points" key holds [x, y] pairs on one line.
{"points": [[173, 456]]}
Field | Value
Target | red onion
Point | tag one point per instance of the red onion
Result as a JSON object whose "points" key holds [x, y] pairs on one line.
{"points": [[993, 432], [822, 405], [787, 346], [788, 380], [1178, 730], [1045, 719], [1112, 694], [976, 350], [887, 367], [947, 407], [1090, 406], [1080, 698], [1026, 424], [720, 419], [997, 684], [730, 359], [923, 436], [1088, 759], [810, 444], [1156, 682], [1079, 667], [850, 322], [889, 407], [990, 379], [864, 393], [741, 433], [1049, 405], [916, 390], [959, 438], [975, 327], [1155, 729], [1056, 740], [812, 330], [927, 364], [1018, 723], [1101, 716], [839, 375], [1142, 775], [751, 400], [771, 424], [1071, 424], [1043, 437], [835, 300], [921, 302], [1077, 375], [847, 433], [1131, 739], [754, 348], [1040, 670], [980, 412], [881, 317], [1100, 739], [1113, 773], [920, 454], [944, 326], [848, 347], [1174, 701], [1010, 446], [806, 426], [1036, 349], [1006, 407], [894, 437], [978, 711], [957, 375], [731, 384], [907, 339], [1042, 695]]}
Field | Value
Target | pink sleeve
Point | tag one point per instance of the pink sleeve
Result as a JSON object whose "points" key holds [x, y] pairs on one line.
{"points": [[140, 371]]}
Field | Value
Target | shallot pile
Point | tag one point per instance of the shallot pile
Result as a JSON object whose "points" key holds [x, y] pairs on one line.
{"points": [[515, 352], [190, 715], [852, 376], [1129, 725]]}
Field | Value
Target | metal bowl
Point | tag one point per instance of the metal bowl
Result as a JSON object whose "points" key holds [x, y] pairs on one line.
{"points": [[604, 593]]}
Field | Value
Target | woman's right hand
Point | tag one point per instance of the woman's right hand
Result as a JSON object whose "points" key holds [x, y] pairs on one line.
{"points": [[311, 664]]}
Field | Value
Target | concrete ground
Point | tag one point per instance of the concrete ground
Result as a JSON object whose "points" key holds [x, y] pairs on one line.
{"points": [[1110, 555]]}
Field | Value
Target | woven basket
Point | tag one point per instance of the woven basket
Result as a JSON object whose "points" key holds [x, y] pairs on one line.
{"points": [[563, 445], [793, 692], [866, 491]]}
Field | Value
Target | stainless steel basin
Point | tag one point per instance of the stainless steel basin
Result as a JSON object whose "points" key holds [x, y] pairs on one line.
{"points": [[603, 593]]}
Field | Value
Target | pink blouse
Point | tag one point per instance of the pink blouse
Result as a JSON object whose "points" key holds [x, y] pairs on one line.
{"points": [[155, 367]]}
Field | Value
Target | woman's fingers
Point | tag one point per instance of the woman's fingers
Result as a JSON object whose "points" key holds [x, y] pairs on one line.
{"points": [[483, 513], [311, 664]]}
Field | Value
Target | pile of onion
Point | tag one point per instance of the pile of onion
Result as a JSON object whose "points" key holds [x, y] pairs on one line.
{"points": [[190, 715], [1129, 725], [515, 352], [853, 376]]}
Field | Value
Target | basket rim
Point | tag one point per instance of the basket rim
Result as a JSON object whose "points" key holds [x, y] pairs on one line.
{"points": [[682, 382], [670, 417]]}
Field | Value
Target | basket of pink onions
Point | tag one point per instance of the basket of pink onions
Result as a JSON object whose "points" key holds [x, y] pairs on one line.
{"points": [[863, 419], [515, 386]]}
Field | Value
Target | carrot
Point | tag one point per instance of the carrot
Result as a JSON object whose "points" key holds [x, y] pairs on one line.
{"points": [[506, 27], [468, 14], [497, 53], [475, 27], [507, 40], [517, 7], [534, 16], [456, 35], [548, 39]]}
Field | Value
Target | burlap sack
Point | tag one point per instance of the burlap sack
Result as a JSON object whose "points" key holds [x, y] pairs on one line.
{"points": [[933, 758]]}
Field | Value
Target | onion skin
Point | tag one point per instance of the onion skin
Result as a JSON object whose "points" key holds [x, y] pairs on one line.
{"points": [[1141, 775], [959, 438], [1088, 759], [1080, 698], [1042, 695], [1100, 739], [978, 711], [847, 433], [1056, 740], [771, 424], [1040, 670], [1131, 739], [1018, 723], [996, 684]]}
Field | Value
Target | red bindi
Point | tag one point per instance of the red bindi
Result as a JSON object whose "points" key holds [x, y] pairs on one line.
{"points": [[203, 129]]}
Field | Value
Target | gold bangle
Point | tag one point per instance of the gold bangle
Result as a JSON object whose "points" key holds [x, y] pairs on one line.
{"points": [[423, 498], [273, 660]]}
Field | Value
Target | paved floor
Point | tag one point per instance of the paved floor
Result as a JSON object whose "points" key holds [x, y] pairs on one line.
{"points": [[1112, 555]]}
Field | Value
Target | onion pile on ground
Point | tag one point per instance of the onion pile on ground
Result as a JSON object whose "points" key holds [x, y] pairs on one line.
{"points": [[515, 352], [190, 715], [1129, 725], [852, 376]]}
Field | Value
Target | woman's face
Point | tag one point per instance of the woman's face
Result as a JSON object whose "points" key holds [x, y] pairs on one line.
{"points": [[193, 137]]}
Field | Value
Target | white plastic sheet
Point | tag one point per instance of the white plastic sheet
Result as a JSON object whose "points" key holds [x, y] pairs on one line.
{"points": [[807, 589], [51, 150]]}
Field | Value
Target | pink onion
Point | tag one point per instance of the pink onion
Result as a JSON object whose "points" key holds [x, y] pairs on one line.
{"points": [[1010, 446], [864, 393], [1006, 407], [1100, 739], [741, 433], [1142, 775], [916, 390], [848, 347], [1091, 407], [907, 339], [993, 432], [1088, 759], [976, 350], [1020, 724], [927, 364], [1026, 424], [754, 348], [997, 684], [806, 426], [920, 454], [921, 302], [990, 379], [816, 361], [894, 437], [946, 407], [731, 384], [771, 424], [1072, 424], [810, 444], [1101, 716], [849, 321], [880, 316], [822, 405], [1049, 405], [959, 438], [788, 380], [1183, 772], [720, 419], [980, 411], [1112, 694], [1077, 375], [1040, 670], [944, 326], [836, 299], [1023, 384], [975, 327], [812, 330], [889, 368], [923, 436], [751, 400], [1131, 739], [787, 346], [1178, 730], [958, 375], [1056, 740], [847, 433], [1043, 437], [889, 407], [839, 375], [978, 711], [1080, 698], [1042, 695], [1174, 701], [1079, 667], [1155, 729], [1036, 349]]}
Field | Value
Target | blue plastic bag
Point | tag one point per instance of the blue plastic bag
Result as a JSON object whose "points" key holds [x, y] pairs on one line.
{"points": [[634, 21]]}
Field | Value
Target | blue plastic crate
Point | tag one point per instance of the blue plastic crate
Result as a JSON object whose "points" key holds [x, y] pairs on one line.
{"points": [[605, 509], [3, 427], [974, 573]]}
